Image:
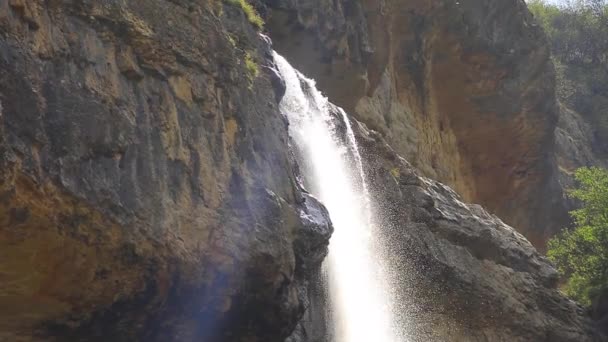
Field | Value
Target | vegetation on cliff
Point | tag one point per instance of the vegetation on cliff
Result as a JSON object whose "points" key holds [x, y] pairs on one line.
{"points": [[581, 254], [252, 67], [251, 13], [578, 33]]}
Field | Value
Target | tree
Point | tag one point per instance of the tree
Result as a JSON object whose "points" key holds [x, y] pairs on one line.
{"points": [[578, 35], [577, 30], [581, 254]]}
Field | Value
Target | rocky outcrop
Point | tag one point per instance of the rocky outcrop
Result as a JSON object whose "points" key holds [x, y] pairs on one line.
{"points": [[460, 273], [575, 144], [456, 272], [146, 188], [464, 90], [580, 135]]}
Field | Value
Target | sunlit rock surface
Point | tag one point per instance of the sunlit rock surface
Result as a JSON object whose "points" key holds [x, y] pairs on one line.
{"points": [[146, 188], [461, 274], [464, 90], [456, 272]]}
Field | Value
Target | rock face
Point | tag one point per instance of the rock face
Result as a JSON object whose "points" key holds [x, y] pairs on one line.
{"points": [[147, 191], [456, 272], [575, 143], [580, 139], [464, 90], [463, 275], [146, 188]]}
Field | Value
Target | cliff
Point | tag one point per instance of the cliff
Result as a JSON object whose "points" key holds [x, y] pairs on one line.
{"points": [[581, 131], [463, 274], [147, 190], [463, 90], [457, 273]]}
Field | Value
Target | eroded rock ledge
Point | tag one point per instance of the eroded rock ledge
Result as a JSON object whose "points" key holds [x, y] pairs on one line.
{"points": [[463, 274]]}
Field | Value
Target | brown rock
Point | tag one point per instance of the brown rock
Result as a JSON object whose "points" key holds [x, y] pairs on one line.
{"points": [[146, 192], [464, 91], [125, 60]]}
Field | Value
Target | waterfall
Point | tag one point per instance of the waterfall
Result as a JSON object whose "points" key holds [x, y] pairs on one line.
{"points": [[325, 146]]}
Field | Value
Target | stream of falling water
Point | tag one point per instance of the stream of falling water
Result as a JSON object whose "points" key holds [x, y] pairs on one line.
{"points": [[329, 158]]}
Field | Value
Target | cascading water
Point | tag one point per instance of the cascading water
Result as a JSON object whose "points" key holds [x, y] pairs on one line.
{"points": [[331, 165]]}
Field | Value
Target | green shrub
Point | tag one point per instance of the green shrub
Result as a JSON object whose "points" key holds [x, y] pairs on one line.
{"points": [[252, 15], [252, 67], [232, 41], [545, 14], [581, 254]]}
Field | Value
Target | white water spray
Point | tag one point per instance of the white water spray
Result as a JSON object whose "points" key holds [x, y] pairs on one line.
{"points": [[331, 164]]}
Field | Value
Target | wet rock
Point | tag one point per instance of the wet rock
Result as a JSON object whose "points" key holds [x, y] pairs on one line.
{"points": [[460, 273]]}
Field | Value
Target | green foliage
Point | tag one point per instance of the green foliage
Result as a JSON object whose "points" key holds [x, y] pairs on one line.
{"points": [[252, 15], [545, 14], [577, 30], [396, 172], [252, 67], [578, 33], [581, 254]]}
